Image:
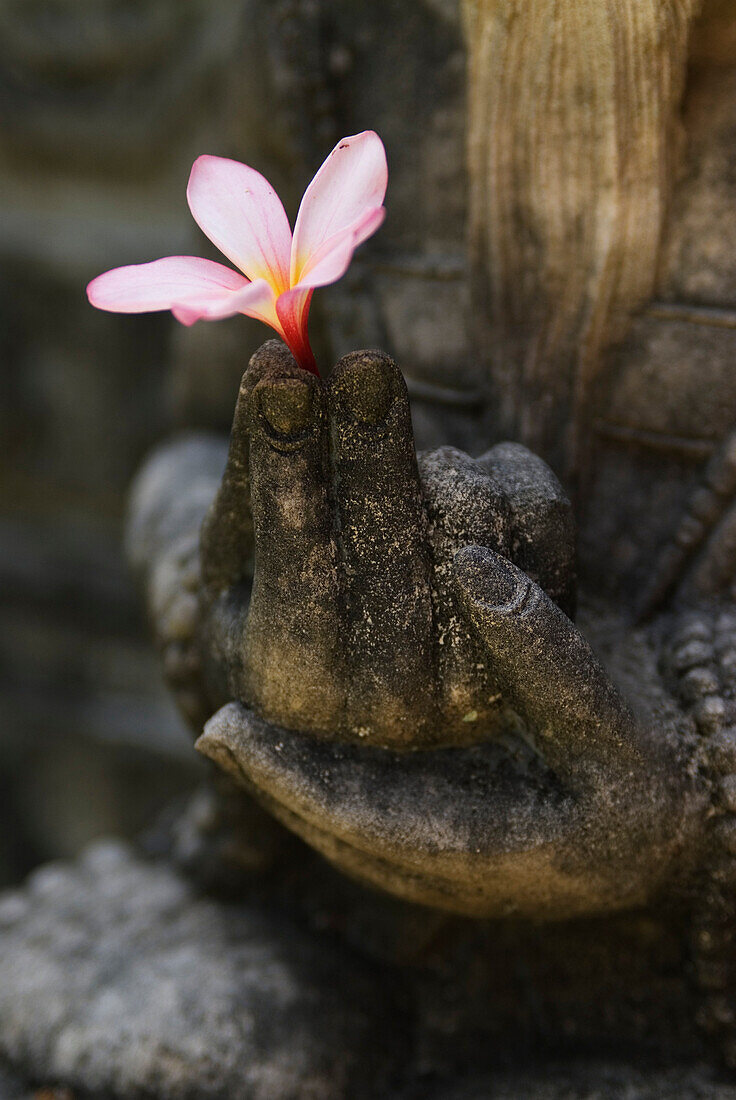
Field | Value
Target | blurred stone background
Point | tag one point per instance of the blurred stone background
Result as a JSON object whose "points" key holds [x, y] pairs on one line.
{"points": [[104, 105]]}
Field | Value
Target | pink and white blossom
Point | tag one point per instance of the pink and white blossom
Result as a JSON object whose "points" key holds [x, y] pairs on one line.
{"points": [[277, 271]]}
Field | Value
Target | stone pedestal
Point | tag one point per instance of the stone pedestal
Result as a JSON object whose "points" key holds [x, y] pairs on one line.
{"points": [[118, 980]]}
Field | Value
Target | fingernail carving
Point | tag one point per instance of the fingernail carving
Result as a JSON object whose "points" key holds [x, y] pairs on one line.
{"points": [[493, 581], [364, 392], [287, 404]]}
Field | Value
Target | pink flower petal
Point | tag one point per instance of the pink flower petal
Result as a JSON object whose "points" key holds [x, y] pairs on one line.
{"points": [[242, 214], [350, 184], [142, 288], [331, 261], [292, 308], [191, 287], [256, 299]]}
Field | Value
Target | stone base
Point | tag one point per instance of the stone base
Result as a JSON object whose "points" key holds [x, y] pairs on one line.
{"points": [[118, 980]]}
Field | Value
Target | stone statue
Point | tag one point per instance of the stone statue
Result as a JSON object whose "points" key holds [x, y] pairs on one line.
{"points": [[390, 619], [399, 606], [400, 655]]}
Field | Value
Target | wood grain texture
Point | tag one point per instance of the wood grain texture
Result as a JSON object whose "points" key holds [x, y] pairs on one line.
{"points": [[572, 140]]}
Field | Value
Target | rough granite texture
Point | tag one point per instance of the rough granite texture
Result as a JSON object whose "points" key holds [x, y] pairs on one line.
{"points": [[118, 980], [115, 976]]}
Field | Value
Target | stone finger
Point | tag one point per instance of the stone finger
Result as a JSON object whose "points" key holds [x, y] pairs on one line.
{"points": [[474, 830], [289, 663], [227, 538], [549, 672], [383, 553]]}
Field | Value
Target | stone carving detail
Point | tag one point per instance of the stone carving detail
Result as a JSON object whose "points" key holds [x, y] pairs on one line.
{"points": [[351, 543], [701, 660], [353, 604], [699, 560]]}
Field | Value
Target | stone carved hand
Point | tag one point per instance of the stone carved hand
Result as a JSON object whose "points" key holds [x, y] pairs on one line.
{"points": [[357, 604], [351, 630], [386, 615]]}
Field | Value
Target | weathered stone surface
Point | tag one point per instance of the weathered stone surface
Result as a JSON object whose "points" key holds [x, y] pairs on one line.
{"points": [[342, 588], [116, 978], [326, 593]]}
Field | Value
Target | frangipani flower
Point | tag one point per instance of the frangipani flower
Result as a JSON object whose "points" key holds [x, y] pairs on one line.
{"points": [[242, 214]]}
